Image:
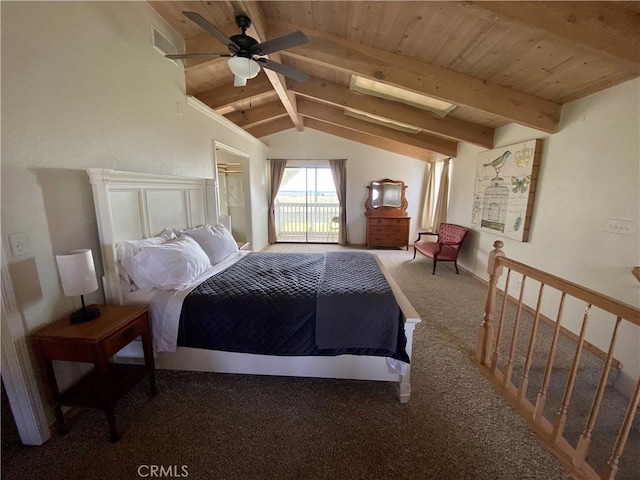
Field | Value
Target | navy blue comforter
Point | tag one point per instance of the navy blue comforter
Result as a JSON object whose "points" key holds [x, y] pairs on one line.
{"points": [[296, 304]]}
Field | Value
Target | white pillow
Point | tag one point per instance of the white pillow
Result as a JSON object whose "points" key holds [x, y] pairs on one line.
{"points": [[215, 240], [169, 266], [125, 251]]}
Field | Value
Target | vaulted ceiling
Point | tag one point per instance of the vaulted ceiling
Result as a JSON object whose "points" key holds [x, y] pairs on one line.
{"points": [[498, 62]]}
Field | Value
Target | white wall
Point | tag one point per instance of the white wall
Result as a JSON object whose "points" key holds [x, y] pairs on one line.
{"points": [[364, 165], [83, 87], [589, 172]]}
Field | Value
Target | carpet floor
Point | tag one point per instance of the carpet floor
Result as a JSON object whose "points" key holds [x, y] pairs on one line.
{"points": [[223, 426]]}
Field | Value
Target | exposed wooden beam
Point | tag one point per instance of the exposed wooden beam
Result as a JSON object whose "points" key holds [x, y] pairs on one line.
{"points": [[405, 72], [258, 30], [228, 94], [258, 115], [284, 123], [337, 117], [603, 29], [373, 141], [278, 125], [341, 96]]}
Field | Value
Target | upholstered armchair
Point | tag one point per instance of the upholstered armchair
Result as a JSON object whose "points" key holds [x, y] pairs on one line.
{"points": [[445, 248]]}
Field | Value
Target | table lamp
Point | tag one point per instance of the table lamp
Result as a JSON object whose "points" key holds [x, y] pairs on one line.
{"points": [[78, 275]]}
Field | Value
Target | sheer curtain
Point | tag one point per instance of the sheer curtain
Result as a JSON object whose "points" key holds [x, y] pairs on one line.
{"points": [[339, 173], [277, 172], [442, 202], [436, 197]]}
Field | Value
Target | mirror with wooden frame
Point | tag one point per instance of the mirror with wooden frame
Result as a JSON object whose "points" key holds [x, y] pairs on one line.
{"points": [[387, 197]]}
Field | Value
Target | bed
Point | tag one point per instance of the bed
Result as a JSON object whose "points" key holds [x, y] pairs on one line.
{"points": [[132, 206]]}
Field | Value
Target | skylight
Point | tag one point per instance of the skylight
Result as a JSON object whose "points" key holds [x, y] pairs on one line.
{"points": [[381, 90], [369, 117]]}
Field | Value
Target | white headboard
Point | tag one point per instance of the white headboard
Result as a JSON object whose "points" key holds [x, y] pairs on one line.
{"points": [[130, 206]]}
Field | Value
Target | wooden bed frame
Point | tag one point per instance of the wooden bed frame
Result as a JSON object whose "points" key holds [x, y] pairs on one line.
{"points": [[131, 206]]}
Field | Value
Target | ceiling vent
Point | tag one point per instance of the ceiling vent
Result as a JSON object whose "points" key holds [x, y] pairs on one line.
{"points": [[163, 44]]}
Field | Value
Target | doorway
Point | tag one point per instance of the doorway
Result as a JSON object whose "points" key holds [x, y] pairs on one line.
{"points": [[306, 207], [232, 192]]}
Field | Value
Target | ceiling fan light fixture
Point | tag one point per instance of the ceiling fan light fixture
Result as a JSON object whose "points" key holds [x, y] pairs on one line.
{"points": [[244, 67], [245, 61]]}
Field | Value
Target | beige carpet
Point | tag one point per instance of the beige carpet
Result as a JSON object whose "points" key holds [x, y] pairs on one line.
{"points": [[220, 426]]}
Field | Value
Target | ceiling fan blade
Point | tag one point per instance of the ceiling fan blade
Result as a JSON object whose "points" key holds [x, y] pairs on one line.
{"points": [[290, 40], [179, 56], [212, 29], [239, 81], [293, 74]]}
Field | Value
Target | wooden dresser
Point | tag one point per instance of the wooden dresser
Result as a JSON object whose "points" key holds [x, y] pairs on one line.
{"points": [[388, 232], [386, 214]]}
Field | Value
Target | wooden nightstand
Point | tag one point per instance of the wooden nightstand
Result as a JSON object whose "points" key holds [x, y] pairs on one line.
{"points": [[95, 342]]}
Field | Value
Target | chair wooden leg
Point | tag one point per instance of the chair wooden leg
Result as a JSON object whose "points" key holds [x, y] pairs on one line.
{"points": [[434, 266], [456, 265], [414, 252]]}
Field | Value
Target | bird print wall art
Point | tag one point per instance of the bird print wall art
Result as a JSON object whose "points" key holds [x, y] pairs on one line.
{"points": [[498, 163], [520, 184], [505, 189]]}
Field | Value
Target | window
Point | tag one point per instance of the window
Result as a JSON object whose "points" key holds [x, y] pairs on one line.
{"points": [[307, 206]]}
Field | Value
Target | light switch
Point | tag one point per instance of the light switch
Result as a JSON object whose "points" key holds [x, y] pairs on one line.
{"points": [[19, 243]]}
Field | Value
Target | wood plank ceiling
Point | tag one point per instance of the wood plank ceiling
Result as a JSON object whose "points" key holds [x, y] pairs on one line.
{"points": [[498, 62]]}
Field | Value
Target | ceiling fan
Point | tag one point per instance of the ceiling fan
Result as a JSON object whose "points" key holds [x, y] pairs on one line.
{"points": [[245, 51]]}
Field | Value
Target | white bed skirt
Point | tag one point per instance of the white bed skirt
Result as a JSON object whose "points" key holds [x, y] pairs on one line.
{"points": [[353, 367]]}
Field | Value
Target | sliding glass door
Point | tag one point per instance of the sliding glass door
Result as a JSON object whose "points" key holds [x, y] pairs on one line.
{"points": [[307, 208]]}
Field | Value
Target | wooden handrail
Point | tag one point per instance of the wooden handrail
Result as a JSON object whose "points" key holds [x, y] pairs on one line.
{"points": [[612, 464], [541, 400], [585, 438], [487, 355], [611, 305]]}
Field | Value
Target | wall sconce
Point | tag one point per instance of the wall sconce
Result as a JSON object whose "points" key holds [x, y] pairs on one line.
{"points": [[78, 275]]}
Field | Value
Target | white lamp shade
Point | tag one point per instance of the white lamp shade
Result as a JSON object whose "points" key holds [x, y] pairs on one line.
{"points": [[244, 67], [77, 272]]}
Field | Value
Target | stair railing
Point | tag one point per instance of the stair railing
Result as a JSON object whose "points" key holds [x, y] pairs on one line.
{"points": [[488, 353]]}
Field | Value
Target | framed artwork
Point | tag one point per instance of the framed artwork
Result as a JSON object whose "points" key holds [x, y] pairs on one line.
{"points": [[505, 189]]}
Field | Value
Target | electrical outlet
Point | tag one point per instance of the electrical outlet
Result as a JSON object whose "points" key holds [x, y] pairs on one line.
{"points": [[621, 227], [19, 243]]}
